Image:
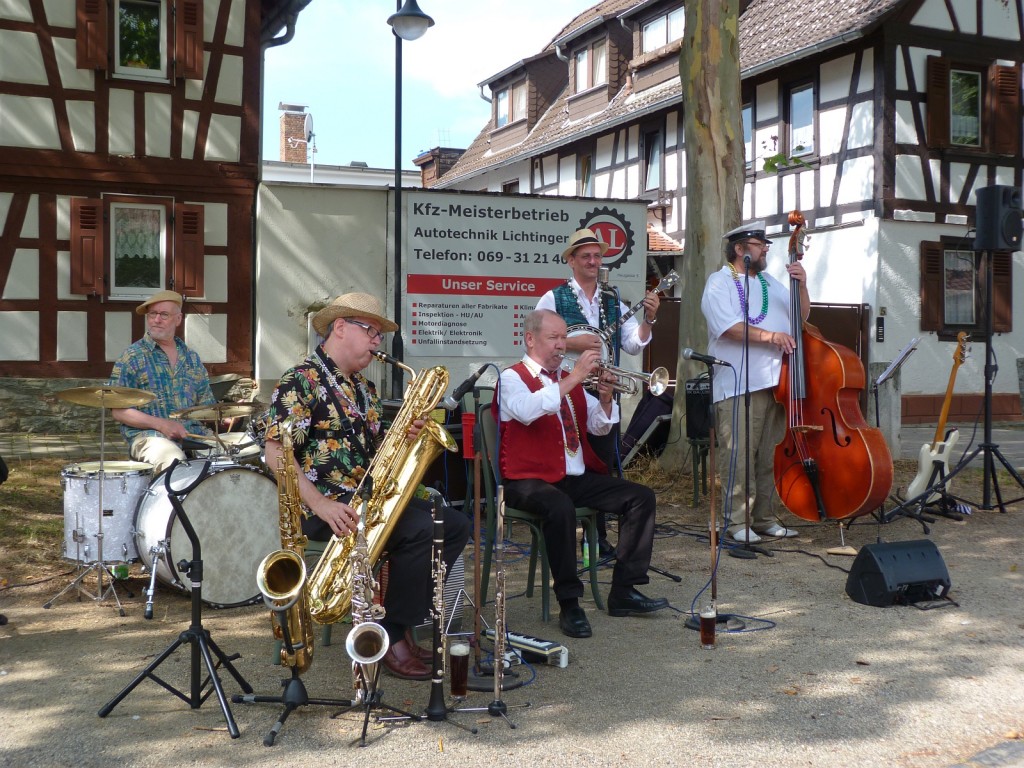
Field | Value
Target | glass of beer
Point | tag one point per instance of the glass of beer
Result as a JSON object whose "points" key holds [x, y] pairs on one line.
{"points": [[458, 668], [708, 620]]}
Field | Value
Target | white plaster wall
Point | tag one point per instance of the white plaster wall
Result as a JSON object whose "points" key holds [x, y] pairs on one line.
{"points": [[70, 75], [15, 9], [671, 129], [899, 291], [30, 227], [603, 153], [64, 278], [117, 334], [765, 196], [836, 77], [618, 183], [567, 176], [862, 125], [767, 101], [858, 180], [63, 217], [602, 184], [633, 142], [5, 206], [158, 124], [23, 278], [20, 339], [121, 122], [72, 342], [229, 83], [22, 61], [215, 224], [550, 167], [1000, 21], [906, 131], [632, 181], [919, 63], [215, 280], [867, 72], [28, 121], [236, 22], [223, 138], [934, 14], [831, 123], [207, 335], [808, 179], [190, 124], [909, 177], [82, 121]]}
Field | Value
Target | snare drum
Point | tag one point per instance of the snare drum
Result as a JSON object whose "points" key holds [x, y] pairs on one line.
{"points": [[234, 512], [242, 448], [123, 483]]}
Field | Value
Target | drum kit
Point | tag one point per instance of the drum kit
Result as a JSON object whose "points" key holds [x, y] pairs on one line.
{"points": [[117, 512]]}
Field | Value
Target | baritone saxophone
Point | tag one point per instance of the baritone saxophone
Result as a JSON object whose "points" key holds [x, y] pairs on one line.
{"points": [[281, 576], [395, 472]]}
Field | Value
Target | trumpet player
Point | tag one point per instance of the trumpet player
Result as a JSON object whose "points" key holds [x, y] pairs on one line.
{"points": [[549, 468], [336, 415]]}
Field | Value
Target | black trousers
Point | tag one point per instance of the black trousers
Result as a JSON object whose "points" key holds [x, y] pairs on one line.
{"points": [[410, 587], [604, 447], [557, 502]]}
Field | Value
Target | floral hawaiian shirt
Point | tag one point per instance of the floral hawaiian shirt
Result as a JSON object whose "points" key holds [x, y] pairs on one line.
{"points": [[334, 461]]}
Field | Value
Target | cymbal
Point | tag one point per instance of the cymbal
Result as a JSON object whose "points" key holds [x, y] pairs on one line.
{"points": [[218, 411], [106, 397]]}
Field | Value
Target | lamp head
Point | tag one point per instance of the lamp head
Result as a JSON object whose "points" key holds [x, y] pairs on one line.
{"points": [[410, 23]]}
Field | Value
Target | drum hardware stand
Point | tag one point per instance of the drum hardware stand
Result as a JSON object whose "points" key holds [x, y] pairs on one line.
{"points": [[198, 637], [156, 551]]}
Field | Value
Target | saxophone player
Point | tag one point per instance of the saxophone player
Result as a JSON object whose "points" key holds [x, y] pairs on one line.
{"points": [[336, 421]]}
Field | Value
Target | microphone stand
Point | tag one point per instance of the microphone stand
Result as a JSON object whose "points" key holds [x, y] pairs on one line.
{"points": [[748, 551]]}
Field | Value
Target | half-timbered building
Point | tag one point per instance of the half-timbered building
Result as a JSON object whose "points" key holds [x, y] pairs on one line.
{"points": [[129, 163], [879, 120]]}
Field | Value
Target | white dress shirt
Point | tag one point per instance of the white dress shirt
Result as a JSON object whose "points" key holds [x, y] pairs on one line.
{"points": [[630, 333]]}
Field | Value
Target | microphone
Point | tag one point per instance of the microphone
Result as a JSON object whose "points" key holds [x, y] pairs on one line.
{"points": [[452, 401], [746, 259], [602, 279], [689, 354]]}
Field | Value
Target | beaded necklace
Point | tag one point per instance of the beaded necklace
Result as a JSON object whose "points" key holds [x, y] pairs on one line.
{"points": [[602, 318], [743, 297], [361, 395], [572, 410]]}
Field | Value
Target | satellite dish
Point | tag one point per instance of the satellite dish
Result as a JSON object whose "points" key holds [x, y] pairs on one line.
{"points": [[308, 127]]}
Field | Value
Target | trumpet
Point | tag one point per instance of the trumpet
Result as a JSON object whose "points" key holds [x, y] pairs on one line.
{"points": [[626, 382]]}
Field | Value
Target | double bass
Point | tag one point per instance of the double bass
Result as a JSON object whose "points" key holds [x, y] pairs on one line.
{"points": [[830, 464]]}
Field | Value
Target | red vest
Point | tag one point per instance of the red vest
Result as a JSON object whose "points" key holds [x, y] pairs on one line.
{"points": [[537, 450]]}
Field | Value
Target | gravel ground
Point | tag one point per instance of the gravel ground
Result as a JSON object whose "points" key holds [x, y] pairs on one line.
{"points": [[823, 681]]}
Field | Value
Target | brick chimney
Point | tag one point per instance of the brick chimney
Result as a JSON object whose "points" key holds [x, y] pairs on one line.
{"points": [[435, 163], [293, 126]]}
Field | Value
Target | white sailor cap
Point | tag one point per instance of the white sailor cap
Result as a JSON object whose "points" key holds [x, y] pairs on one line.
{"points": [[753, 230]]}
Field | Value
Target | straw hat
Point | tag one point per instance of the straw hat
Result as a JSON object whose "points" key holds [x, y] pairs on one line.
{"points": [[156, 298], [352, 305], [582, 237]]}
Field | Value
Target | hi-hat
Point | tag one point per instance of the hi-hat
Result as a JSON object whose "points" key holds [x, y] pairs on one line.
{"points": [[106, 397], [217, 411]]}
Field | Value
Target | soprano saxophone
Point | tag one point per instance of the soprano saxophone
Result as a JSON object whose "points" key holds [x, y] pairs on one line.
{"points": [[395, 471], [281, 576]]}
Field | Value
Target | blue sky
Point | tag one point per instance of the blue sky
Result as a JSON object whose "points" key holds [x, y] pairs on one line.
{"points": [[341, 65]]}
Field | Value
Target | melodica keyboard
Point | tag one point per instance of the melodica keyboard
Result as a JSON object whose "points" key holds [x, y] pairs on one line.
{"points": [[534, 649]]}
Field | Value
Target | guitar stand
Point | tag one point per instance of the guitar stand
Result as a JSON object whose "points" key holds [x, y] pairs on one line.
{"points": [[203, 646], [294, 694]]}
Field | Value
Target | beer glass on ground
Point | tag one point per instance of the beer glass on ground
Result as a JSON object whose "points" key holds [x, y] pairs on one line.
{"points": [[708, 620], [458, 667]]}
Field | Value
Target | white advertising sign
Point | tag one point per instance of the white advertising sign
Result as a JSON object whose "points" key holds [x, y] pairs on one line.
{"points": [[476, 264]]}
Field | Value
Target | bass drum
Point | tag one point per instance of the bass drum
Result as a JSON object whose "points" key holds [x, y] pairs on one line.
{"points": [[234, 512]]}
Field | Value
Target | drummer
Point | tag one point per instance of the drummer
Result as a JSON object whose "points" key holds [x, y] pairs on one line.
{"points": [[160, 363]]}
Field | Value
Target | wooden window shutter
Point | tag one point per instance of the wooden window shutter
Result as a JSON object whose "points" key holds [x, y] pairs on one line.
{"points": [[88, 246], [188, 39], [1002, 292], [938, 102], [91, 34], [1005, 112], [188, 250], [932, 301]]}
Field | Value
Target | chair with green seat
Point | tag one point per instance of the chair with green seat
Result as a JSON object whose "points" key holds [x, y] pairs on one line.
{"points": [[538, 549], [312, 554]]}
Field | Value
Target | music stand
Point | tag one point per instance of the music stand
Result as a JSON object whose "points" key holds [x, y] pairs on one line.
{"points": [[103, 398], [198, 637]]}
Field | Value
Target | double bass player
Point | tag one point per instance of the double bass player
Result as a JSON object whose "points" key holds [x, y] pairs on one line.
{"points": [[770, 324]]}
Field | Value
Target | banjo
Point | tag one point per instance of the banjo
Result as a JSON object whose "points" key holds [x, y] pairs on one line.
{"points": [[607, 334]]}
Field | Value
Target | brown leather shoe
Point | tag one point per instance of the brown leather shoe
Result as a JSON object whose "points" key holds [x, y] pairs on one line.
{"points": [[401, 662], [423, 654]]}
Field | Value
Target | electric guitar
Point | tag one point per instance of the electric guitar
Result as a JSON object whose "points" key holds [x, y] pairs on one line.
{"points": [[607, 334], [941, 447]]}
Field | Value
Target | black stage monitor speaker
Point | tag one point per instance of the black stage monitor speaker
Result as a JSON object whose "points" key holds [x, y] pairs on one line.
{"points": [[698, 404], [997, 222], [898, 572]]}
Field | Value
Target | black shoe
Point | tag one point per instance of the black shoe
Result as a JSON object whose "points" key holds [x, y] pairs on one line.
{"points": [[605, 549], [573, 622], [633, 601]]}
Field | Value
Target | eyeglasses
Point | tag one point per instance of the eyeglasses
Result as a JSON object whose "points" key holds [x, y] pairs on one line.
{"points": [[588, 256], [164, 316], [372, 332]]}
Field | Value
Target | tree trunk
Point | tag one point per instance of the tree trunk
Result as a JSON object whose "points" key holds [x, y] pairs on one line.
{"points": [[713, 126]]}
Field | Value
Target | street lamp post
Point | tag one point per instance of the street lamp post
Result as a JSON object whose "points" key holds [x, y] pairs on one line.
{"points": [[408, 23]]}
